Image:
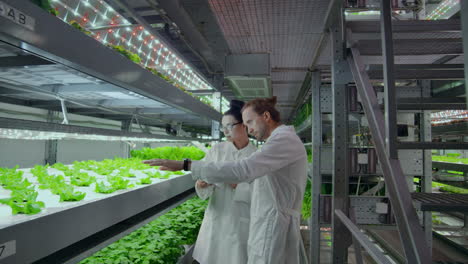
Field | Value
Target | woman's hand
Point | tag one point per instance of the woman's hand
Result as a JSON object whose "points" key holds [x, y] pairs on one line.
{"points": [[202, 184], [169, 165]]}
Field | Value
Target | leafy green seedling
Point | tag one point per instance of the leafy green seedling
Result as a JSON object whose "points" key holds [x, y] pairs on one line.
{"points": [[125, 172], [145, 180], [82, 179], [101, 187]]}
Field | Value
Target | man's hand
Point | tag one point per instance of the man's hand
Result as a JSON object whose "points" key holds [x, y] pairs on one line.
{"points": [[169, 165], [202, 184]]}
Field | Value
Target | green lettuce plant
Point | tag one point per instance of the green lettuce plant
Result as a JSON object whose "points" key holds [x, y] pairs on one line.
{"points": [[146, 180], [160, 241], [173, 153], [102, 187], [82, 179]]}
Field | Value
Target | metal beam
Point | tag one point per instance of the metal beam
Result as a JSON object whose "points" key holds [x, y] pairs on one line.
{"points": [[432, 145], [83, 88], [341, 237], [379, 67], [52, 127], [51, 145], [202, 92], [137, 102], [450, 166], [452, 103], [126, 126], [6, 92], [314, 255], [426, 180], [410, 231], [389, 78], [405, 47], [21, 61], [451, 92], [370, 247], [142, 111], [356, 244], [407, 26], [412, 74], [450, 129], [289, 69], [464, 24]]}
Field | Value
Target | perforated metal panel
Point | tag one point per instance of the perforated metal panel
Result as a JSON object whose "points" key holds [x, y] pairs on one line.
{"points": [[365, 209], [326, 160], [326, 99], [411, 162]]}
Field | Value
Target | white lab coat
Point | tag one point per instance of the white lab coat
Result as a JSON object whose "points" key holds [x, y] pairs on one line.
{"points": [[225, 228], [279, 169]]}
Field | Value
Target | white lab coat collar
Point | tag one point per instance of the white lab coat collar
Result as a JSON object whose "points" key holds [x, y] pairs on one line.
{"points": [[279, 129]]}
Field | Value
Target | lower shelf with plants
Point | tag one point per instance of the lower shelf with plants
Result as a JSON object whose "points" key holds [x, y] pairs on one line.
{"points": [[60, 205], [160, 241]]}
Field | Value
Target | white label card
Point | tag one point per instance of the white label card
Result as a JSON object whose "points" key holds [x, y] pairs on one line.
{"points": [[17, 16], [7, 249]]}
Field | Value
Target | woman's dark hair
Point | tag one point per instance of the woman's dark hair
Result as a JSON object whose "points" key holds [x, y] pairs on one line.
{"points": [[262, 105], [235, 107]]}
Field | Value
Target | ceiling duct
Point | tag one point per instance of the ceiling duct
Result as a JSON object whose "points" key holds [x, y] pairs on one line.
{"points": [[249, 75]]}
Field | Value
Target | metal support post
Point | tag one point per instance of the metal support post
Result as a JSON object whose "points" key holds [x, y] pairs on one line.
{"points": [[341, 237], [215, 134], [357, 246], [410, 231], [51, 145], [370, 247], [464, 23], [314, 255], [146, 129], [126, 126], [389, 78], [426, 184]]}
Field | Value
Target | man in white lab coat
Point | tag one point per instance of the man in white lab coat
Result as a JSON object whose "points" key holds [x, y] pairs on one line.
{"points": [[279, 172]]}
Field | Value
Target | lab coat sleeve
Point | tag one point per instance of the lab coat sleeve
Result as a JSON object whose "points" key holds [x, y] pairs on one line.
{"points": [[279, 151], [205, 193]]}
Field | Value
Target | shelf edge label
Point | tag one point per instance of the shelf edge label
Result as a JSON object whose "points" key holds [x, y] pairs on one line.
{"points": [[7, 249], [17, 16]]}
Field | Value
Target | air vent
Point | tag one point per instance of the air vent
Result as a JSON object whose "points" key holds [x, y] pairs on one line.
{"points": [[248, 88], [249, 75]]}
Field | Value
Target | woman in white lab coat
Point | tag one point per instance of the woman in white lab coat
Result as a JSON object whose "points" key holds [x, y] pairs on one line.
{"points": [[279, 172], [224, 232]]}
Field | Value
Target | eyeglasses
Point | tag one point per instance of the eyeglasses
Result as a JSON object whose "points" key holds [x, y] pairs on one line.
{"points": [[228, 127]]}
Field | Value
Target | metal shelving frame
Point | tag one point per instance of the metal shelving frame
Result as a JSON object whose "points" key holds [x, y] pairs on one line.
{"points": [[348, 66], [56, 42], [67, 236]]}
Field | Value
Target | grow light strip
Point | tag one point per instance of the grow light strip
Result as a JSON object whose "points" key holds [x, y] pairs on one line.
{"points": [[139, 42], [442, 9], [448, 116], [8, 133]]}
